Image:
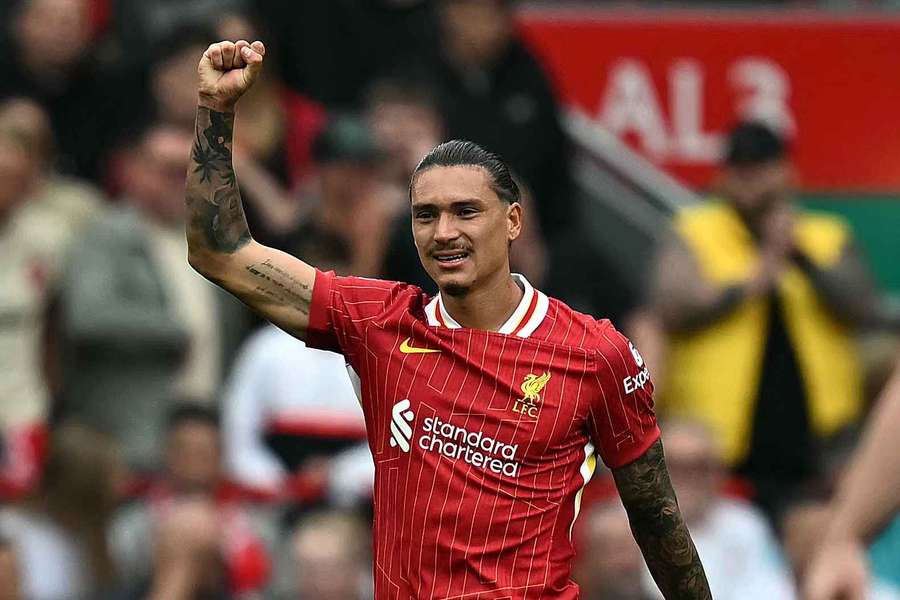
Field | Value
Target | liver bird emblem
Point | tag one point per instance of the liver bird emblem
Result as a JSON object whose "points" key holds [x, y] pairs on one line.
{"points": [[532, 386]]}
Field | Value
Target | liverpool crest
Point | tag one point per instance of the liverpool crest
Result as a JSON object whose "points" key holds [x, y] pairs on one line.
{"points": [[529, 404]]}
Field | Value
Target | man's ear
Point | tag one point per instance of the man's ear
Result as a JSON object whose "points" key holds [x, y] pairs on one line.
{"points": [[514, 220]]}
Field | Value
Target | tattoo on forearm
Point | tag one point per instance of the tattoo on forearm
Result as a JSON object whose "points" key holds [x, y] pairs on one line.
{"points": [[659, 528], [281, 286], [216, 218]]}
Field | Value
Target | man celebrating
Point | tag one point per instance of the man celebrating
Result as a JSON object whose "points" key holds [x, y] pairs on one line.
{"points": [[483, 405]]}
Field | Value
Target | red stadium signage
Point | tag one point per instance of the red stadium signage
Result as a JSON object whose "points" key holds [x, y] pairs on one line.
{"points": [[670, 84]]}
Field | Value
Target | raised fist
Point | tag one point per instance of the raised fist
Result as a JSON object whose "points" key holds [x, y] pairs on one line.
{"points": [[226, 71]]}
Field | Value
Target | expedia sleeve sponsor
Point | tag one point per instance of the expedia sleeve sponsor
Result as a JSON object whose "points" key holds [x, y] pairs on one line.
{"points": [[633, 383]]}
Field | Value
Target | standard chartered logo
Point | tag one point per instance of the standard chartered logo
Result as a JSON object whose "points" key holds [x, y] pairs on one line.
{"points": [[401, 432], [449, 440], [473, 447]]}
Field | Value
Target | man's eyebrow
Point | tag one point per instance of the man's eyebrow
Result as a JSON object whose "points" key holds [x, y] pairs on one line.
{"points": [[454, 204]]}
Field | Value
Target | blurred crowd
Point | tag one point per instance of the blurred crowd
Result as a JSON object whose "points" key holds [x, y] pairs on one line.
{"points": [[159, 441]]}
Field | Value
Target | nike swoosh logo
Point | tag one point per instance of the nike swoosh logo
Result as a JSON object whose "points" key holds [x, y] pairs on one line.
{"points": [[405, 348]]}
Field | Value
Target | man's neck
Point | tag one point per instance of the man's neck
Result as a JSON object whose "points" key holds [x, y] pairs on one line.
{"points": [[488, 307]]}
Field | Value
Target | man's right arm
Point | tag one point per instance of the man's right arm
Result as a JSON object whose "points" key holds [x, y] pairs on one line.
{"points": [[275, 284]]}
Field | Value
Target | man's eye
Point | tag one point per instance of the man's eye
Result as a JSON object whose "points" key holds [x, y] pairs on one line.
{"points": [[423, 215], [468, 212]]}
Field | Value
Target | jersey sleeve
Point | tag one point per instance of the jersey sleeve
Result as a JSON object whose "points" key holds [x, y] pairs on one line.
{"points": [[342, 308], [622, 422]]}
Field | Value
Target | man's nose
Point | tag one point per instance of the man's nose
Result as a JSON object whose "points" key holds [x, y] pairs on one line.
{"points": [[446, 229]]}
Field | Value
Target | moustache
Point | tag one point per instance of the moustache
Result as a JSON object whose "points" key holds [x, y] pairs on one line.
{"points": [[437, 249]]}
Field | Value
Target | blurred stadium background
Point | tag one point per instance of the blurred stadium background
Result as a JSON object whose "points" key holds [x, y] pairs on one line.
{"points": [[158, 441]]}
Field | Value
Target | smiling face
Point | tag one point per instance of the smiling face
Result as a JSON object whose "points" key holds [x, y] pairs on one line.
{"points": [[461, 227]]}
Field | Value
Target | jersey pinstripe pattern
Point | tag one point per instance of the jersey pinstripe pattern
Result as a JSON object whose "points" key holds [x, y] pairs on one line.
{"points": [[483, 445]]}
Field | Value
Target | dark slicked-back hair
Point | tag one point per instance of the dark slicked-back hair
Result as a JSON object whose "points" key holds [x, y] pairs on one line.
{"points": [[460, 153]]}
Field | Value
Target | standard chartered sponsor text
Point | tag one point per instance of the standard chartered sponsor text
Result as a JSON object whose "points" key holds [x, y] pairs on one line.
{"points": [[473, 447]]}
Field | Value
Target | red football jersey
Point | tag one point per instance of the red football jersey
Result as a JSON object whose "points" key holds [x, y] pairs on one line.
{"points": [[482, 441]]}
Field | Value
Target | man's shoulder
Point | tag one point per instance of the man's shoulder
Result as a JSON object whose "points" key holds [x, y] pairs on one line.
{"points": [[383, 288], [570, 327], [710, 212], [598, 336], [364, 298], [823, 223]]}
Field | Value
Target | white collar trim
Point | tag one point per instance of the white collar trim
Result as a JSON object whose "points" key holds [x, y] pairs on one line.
{"points": [[524, 320]]}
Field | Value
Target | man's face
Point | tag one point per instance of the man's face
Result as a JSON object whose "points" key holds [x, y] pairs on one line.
{"points": [[325, 565], [175, 86], [755, 188], [611, 564], [476, 31], [155, 178], [406, 131], [462, 229], [345, 183], [193, 457], [54, 32], [695, 470]]}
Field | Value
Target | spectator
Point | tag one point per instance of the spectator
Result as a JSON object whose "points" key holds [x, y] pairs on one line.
{"points": [[173, 74], [40, 214], [493, 92], [60, 534], [24, 281], [186, 561], [376, 36], [140, 25], [741, 556], [406, 123], [348, 201], [273, 145], [138, 325], [329, 553], [50, 57], [62, 204], [287, 407], [10, 578], [190, 492], [609, 562], [759, 299]]}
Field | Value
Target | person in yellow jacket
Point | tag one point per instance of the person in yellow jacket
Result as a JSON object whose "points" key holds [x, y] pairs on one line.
{"points": [[759, 300]]}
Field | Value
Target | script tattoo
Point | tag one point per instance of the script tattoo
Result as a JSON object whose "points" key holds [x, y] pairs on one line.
{"points": [[281, 286], [659, 528], [215, 213]]}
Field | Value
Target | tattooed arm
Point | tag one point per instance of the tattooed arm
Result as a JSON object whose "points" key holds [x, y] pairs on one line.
{"points": [[658, 527], [275, 284]]}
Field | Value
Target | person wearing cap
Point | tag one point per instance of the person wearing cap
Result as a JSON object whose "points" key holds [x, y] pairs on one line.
{"points": [[348, 201], [759, 300]]}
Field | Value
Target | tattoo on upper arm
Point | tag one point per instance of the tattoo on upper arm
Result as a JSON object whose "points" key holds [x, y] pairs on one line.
{"points": [[281, 286], [215, 215], [659, 528]]}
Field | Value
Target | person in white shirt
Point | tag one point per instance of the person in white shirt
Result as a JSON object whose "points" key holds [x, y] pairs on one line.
{"points": [[740, 553], [279, 390]]}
